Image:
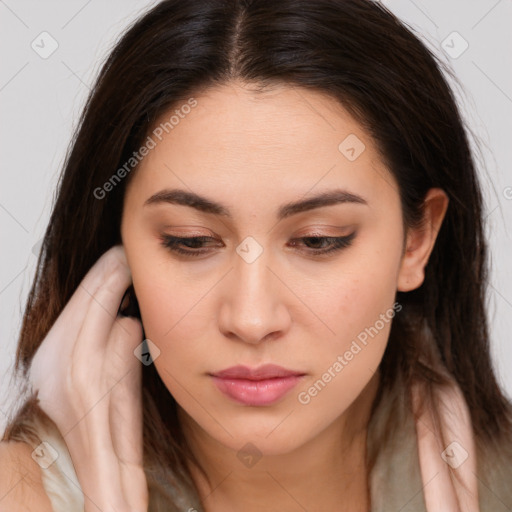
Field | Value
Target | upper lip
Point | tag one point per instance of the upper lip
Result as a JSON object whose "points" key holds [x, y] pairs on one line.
{"points": [[267, 371]]}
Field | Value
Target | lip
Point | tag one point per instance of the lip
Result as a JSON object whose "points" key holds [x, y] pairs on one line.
{"points": [[259, 386]]}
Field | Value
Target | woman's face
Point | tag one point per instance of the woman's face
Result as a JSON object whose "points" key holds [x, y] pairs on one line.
{"points": [[255, 292]]}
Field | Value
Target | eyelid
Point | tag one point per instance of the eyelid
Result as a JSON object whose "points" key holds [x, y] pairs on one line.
{"points": [[194, 231], [327, 231], [315, 230], [337, 244]]}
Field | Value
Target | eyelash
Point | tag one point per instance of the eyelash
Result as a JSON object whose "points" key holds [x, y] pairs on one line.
{"points": [[337, 243]]}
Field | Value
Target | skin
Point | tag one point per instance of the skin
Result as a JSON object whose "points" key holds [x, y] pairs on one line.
{"points": [[93, 393], [253, 153]]}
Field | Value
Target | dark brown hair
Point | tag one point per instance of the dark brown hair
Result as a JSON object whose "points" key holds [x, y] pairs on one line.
{"points": [[355, 51]]}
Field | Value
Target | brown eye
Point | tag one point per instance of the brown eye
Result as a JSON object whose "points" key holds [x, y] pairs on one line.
{"points": [[176, 243], [316, 245], [326, 244]]}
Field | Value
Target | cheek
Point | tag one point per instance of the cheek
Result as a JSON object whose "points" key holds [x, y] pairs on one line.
{"points": [[358, 304], [360, 311], [352, 300], [174, 317], [172, 323]]}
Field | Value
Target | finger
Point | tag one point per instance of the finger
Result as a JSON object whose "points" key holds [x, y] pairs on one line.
{"points": [[136, 490], [95, 462], [62, 337], [102, 313], [126, 421], [126, 397], [126, 407], [119, 444], [76, 309]]}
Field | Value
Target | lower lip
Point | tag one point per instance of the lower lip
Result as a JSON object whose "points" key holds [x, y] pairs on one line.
{"points": [[257, 392]]}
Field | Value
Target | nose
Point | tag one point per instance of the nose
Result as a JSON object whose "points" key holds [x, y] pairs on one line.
{"points": [[254, 308]]}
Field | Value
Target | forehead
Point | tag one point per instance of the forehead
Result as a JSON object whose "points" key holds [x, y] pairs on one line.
{"points": [[286, 139], [283, 122]]}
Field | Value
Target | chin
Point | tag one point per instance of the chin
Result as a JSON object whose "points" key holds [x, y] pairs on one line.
{"points": [[259, 445], [270, 437]]}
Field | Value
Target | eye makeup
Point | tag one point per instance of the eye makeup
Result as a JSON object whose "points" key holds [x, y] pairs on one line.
{"points": [[321, 245]]}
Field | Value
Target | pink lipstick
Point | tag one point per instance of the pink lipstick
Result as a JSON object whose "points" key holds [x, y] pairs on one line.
{"points": [[256, 386]]}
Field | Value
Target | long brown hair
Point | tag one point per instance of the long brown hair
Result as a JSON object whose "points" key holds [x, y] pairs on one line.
{"points": [[355, 51]]}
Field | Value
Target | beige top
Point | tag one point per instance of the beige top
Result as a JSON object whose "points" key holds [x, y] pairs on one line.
{"points": [[395, 481], [398, 488]]}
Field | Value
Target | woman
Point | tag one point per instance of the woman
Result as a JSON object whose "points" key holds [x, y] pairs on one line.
{"points": [[286, 194]]}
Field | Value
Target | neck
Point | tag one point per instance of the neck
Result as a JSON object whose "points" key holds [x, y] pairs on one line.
{"points": [[328, 473]]}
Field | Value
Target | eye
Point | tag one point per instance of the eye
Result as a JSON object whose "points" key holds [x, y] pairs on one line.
{"points": [[329, 244], [175, 243]]}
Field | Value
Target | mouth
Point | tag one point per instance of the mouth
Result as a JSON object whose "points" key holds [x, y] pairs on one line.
{"points": [[260, 386]]}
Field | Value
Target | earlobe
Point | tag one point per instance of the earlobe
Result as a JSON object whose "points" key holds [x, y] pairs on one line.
{"points": [[421, 240]]}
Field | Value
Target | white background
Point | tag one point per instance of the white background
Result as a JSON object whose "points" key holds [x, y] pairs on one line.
{"points": [[40, 100]]}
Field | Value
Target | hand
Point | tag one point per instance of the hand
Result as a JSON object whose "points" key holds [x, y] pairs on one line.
{"points": [[89, 383]]}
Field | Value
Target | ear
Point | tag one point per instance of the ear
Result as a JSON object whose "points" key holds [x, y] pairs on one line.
{"points": [[420, 241]]}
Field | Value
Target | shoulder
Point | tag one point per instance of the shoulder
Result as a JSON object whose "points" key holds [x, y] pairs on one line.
{"points": [[21, 485]]}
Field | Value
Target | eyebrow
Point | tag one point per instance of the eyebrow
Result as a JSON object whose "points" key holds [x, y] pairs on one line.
{"points": [[205, 205]]}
